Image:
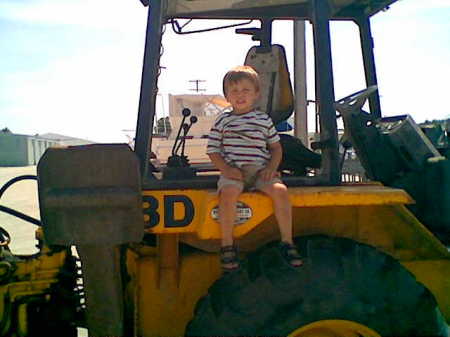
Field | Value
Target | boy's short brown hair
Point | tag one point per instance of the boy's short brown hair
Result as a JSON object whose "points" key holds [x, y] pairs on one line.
{"points": [[238, 74]]}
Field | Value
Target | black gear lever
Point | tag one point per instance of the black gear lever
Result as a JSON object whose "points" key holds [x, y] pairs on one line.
{"points": [[186, 112], [186, 127]]}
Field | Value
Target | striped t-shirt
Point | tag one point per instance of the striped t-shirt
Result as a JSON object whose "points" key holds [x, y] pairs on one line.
{"points": [[243, 139]]}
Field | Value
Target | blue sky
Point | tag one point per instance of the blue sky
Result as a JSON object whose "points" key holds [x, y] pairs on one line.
{"points": [[74, 67]]}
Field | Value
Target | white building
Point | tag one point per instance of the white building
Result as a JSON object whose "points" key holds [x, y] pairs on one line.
{"points": [[205, 108], [26, 150]]}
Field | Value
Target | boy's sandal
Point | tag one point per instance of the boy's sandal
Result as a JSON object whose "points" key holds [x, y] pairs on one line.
{"points": [[229, 258], [291, 254]]}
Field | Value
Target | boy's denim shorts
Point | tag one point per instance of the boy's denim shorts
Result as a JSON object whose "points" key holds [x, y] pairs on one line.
{"points": [[251, 181]]}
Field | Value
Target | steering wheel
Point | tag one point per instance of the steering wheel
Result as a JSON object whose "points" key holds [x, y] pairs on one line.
{"points": [[5, 238], [354, 101]]}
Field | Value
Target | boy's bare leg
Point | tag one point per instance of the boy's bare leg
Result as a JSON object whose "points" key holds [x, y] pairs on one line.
{"points": [[283, 212], [282, 208], [228, 197]]}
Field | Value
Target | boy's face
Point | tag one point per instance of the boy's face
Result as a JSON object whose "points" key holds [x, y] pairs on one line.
{"points": [[242, 95]]}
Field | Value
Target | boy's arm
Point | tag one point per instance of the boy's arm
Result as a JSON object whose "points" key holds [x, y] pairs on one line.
{"points": [[276, 153], [226, 170]]}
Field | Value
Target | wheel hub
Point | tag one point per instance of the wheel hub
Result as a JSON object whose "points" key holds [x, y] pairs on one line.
{"points": [[334, 328]]}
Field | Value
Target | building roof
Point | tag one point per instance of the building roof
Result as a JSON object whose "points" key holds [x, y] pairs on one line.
{"points": [[65, 140]]}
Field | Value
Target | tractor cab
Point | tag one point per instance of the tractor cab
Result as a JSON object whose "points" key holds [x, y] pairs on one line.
{"points": [[302, 166]]}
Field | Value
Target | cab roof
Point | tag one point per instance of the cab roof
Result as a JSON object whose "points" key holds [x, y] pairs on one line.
{"points": [[278, 9]]}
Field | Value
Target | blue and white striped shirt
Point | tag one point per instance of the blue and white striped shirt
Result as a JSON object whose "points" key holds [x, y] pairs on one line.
{"points": [[243, 139]]}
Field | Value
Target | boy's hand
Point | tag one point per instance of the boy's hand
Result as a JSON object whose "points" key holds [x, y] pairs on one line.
{"points": [[232, 173], [268, 174], [270, 171], [226, 170]]}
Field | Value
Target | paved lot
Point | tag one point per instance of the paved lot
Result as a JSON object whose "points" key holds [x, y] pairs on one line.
{"points": [[23, 197]]}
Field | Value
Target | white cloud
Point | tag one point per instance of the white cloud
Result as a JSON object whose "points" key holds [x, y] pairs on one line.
{"points": [[88, 96], [92, 90], [416, 5], [100, 14], [94, 93]]}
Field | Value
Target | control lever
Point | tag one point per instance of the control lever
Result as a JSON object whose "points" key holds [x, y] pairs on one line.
{"points": [[176, 160], [186, 112], [186, 127]]}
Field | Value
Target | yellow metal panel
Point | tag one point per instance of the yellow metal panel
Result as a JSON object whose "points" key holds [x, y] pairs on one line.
{"points": [[43, 264], [204, 201], [5, 311], [261, 207], [435, 275], [22, 320], [351, 195], [164, 308], [156, 208], [370, 214], [32, 277]]}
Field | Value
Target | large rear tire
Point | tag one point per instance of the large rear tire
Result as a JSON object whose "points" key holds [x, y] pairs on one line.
{"points": [[340, 280]]}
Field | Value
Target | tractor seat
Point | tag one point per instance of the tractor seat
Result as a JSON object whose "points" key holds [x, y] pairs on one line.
{"points": [[276, 97], [277, 100]]}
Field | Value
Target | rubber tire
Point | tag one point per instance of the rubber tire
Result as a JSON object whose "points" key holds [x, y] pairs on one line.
{"points": [[340, 279]]}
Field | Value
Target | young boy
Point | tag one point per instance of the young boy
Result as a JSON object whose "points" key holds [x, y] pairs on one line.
{"points": [[244, 145]]}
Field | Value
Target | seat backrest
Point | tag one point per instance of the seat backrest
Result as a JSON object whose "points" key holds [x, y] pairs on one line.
{"points": [[277, 97]]}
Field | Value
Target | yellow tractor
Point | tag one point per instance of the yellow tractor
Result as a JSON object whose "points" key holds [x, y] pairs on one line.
{"points": [[147, 243]]}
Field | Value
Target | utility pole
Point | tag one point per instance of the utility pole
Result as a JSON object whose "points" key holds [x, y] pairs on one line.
{"points": [[301, 120], [197, 88]]}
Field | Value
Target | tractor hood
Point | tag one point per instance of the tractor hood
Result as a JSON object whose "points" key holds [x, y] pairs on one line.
{"points": [[341, 9]]}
